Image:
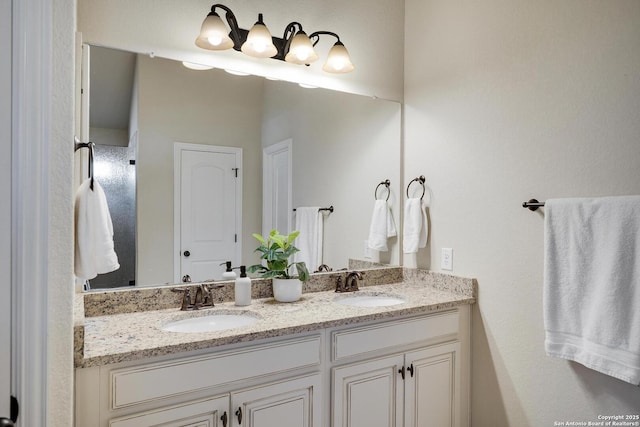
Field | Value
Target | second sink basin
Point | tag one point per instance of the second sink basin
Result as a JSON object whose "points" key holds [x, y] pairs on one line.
{"points": [[369, 300], [211, 322]]}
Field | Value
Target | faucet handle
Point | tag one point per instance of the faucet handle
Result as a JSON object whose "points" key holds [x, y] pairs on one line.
{"points": [[186, 297]]}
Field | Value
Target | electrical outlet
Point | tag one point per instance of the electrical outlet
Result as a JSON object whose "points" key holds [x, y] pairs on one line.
{"points": [[446, 261]]}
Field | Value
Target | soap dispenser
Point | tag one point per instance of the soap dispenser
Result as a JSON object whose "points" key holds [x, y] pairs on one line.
{"points": [[229, 274], [243, 288]]}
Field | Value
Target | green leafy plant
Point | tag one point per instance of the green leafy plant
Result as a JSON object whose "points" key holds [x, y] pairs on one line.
{"points": [[276, 249]]}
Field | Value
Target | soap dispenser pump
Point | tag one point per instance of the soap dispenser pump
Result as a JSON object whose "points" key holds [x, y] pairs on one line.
{"points": [[229, 274], [243, 288]]}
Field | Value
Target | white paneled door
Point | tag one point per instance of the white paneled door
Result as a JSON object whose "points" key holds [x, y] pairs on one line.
{"points": [[277, 187], [5, 208], [208, 210]]}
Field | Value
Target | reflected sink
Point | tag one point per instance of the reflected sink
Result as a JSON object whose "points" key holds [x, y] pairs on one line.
{"points": [[370, 300], [212, 322]]}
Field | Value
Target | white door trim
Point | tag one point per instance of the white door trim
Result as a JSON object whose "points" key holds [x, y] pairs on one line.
{"points": [[31, 128], [177, 173], [267, 184]]}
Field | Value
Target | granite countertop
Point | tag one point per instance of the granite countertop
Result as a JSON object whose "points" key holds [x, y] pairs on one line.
{"points": [[114, 338]]}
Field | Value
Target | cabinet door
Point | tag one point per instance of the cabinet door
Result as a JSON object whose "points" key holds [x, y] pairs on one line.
{"points": [[368, 394], [211, 412], [292, 403], [432, 387]]}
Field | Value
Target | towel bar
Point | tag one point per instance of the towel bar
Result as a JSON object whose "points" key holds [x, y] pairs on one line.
{"points": [[330, 209], [421, 179], [533, 205]]}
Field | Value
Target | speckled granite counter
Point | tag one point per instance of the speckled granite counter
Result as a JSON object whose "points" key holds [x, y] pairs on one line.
{"points": [[114, 338]]}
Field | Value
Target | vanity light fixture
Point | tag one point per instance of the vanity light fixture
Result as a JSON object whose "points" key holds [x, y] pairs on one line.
{"points": [[294, 47]]}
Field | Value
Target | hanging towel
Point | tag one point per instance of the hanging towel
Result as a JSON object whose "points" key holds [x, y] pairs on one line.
{"points": [[592, 283], [94, 252], [416, 227], [382, 226], [309, 223]]}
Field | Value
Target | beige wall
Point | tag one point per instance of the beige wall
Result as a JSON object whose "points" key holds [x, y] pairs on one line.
{"points": [[202, 107], [508, 100], [343, 146], [61, 192]]}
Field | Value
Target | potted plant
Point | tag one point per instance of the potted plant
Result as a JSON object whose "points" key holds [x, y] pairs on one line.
{"points": [[276, 250]]}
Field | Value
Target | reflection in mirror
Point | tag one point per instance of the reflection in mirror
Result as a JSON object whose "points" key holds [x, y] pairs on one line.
{"points": [[342, 147]]}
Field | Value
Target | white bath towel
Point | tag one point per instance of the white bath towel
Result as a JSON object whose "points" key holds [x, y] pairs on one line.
{"points": [[94, 252], [382, 226], [416, 227], [309, 221], [592, 283]]}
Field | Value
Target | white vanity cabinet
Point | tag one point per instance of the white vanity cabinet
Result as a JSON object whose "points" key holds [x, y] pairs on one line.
{"points": [[423, 385], [252, 386], [398, 372]]}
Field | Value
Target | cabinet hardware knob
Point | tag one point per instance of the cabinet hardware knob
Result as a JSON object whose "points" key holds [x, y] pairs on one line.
{"points": [[186, 254], [239, 415], [401, 371], [223, 418], [410, 369]]}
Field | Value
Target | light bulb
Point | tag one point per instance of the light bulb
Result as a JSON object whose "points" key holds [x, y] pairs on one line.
{"points": [[215, 40], [338, 60], [259, 42]]}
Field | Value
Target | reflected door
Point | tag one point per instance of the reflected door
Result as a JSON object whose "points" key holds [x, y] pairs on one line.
{"points": [[208, 199], [277, 187]]}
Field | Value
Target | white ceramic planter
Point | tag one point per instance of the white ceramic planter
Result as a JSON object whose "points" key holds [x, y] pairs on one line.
{"points": [[287, 290]]}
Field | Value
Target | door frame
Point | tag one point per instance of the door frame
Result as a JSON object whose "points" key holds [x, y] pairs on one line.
{"points": [[267, 184], [31, 141], [178, 147]]}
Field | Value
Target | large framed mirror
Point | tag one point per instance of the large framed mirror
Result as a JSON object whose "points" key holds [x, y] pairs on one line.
{"points": [[341, 147]]}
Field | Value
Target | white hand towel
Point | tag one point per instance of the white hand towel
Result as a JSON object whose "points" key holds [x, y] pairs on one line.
{"points": [[416, 227], [382, 226], [592, 283], [309, 223], [94, 252]]}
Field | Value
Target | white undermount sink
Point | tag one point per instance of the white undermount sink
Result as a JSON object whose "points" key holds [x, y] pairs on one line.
{"points": [[369, 300], [211, 322]]}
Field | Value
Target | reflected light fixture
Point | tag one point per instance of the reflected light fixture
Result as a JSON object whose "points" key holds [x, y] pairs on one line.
{"points": [[195, 66], [294, 47]]}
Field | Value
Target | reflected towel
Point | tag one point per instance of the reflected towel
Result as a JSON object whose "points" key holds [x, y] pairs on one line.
{"points": [[382, 226], [309, 223], [592, 283], [94, 252], [416, 227]]}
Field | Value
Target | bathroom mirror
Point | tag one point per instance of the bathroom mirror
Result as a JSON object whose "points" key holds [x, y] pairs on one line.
{"points": [[342, 147]]}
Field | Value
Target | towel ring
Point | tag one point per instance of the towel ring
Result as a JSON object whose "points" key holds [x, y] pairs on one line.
{"points": [[78, 145], [386, 183], [421, 180]]}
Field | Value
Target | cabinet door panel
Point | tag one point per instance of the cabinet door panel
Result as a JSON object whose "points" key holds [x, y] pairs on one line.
{"points": [[432, 393], [291, 403], [368, 394], [203, 413]]}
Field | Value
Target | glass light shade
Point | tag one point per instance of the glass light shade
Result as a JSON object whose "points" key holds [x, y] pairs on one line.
{"points": [[301, 50], [214, 34], [195, 66], [259, 42], [338, 60]]}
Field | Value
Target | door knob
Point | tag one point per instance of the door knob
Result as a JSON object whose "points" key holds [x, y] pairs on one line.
{"points": [[6, 422], [186, 253]]}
